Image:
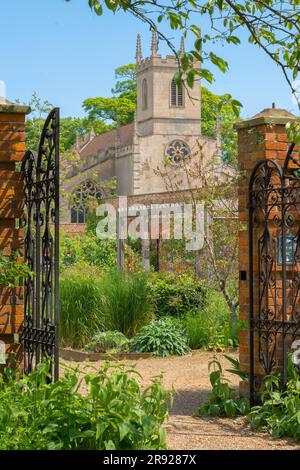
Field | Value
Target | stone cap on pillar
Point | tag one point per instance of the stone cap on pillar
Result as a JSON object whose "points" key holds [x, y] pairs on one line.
{"points": [[7, 106], [270, 116]]}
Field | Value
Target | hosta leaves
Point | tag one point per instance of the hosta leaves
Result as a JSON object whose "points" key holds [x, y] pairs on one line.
{"points": [[161, 337]]}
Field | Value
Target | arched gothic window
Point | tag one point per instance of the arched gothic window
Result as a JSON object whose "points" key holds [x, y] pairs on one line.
{"points": [[144, 94], [177, 94], [81, 200]]}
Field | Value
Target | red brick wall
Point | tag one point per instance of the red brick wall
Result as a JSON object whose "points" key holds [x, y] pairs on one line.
{"points": [[73, 229], [257, 140], [12, 148]]}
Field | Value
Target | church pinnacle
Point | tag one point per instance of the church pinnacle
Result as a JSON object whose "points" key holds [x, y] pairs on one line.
{"points": [[182, 48], [154, 47], [138, 50]]}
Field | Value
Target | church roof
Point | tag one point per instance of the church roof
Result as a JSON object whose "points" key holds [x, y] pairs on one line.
{"points": [[108, 140]]}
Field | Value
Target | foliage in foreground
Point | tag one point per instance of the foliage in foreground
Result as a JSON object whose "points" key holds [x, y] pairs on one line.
{"points": [[162, 337], [280, 409], [12, 270], [279, 412], [115, 414], [223, 400]]}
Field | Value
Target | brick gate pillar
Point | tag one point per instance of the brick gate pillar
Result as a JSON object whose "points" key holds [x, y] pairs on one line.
{"points": [[12, 148], [260, 137]]}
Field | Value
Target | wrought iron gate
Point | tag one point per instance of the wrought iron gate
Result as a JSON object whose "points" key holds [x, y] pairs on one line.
{"points": [[41, 223], [274, 249]]}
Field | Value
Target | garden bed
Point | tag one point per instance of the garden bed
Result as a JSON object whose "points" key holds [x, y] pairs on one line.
{"points": [[81, 356]]}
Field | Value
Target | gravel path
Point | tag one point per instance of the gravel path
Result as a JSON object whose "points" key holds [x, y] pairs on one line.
{"points": [[189, 376]]}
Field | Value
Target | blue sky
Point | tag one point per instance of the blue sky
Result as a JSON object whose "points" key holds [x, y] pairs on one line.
{"points": [[66, 54]]}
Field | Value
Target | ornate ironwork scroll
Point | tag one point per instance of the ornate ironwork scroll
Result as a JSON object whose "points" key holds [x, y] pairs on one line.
{"points": [[41, 223], [274, 244]]}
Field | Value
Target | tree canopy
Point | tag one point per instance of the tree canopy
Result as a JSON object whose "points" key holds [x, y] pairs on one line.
{"points": [[120, 108], [217, 116], [70, 127], [272, 25]]}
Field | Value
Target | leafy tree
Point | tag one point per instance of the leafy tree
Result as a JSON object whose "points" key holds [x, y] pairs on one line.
{"points": [[217, 112], [70, 127], [272, 25], [121, 107], [126, 82], [117, 110], [34, 125], [38, 106], [33, 132]]}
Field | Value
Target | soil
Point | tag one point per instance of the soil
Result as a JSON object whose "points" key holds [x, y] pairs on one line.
{"points": [[188, 375]]}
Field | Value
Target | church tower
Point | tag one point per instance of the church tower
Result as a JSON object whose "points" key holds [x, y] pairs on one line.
{"points": [[162, 106], [168, 117]]}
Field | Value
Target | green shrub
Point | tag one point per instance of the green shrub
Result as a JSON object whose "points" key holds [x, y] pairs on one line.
{"points": [[104, 341], [100, 253], [126, 302], [80, 306], [223, 400], [162, 337], [176, 294], [89, 249], [117, 413], [279, 413], [210, 327]]}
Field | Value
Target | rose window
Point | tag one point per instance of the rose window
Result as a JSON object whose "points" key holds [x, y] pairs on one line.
{"points": [[177, 151]]}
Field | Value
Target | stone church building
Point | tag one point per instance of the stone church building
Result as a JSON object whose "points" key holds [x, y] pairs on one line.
{"points": [[167, 127]]}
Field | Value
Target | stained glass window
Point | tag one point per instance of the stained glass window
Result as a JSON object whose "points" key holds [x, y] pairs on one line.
{"points": [[177, 151]]}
